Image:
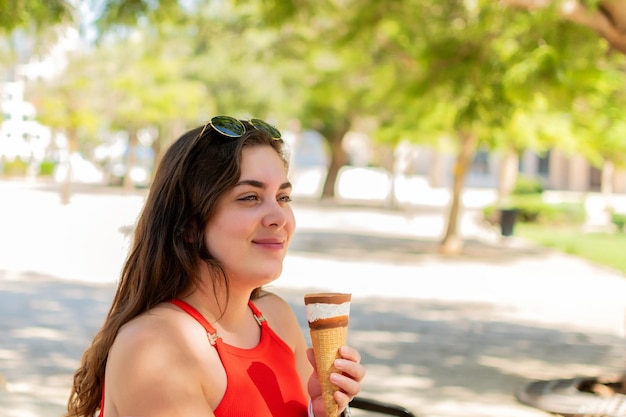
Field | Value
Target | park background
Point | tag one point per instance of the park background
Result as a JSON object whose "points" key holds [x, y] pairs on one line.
{"points": [[441, 114]]}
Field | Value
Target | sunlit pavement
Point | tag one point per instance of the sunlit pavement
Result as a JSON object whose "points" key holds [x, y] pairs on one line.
{"points": [[443, 336]]}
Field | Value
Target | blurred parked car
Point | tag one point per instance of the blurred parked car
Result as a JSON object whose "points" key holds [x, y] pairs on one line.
{"points": [[139, 175], [82, 171]]}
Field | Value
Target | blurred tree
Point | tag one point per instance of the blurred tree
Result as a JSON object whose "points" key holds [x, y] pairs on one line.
{"points": [[429, 68], [68, 104], [484, 75], [599, 120], [233, 58], [477, 72], [323, 67], [462, 70], [599, 126], [29, 14], [200, 62], [238, 45], [146, 80], [28, 27], [606, 17], [122, 84]]}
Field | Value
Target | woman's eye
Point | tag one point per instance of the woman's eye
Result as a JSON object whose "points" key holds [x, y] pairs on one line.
{"points": [[248, 198], [285, 199]]}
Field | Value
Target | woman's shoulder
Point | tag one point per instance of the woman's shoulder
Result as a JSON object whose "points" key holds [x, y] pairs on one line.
{"points": [[159, 358], [162, 331], [159, 322]]}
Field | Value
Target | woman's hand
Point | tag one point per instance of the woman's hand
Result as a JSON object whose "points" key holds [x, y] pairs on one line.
{"points": [[348, 380]]}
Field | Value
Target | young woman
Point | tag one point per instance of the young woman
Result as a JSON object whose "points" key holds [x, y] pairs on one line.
{"points": [[190, 331]]}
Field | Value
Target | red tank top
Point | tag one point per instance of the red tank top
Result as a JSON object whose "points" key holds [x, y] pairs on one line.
{"points": [[262, 381]]}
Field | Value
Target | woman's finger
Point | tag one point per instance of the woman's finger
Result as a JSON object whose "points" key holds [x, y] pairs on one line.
{"points": [[349, 353], [347, 385], [350, 368]]}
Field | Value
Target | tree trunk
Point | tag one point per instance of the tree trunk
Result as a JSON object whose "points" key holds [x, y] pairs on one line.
{"points": [[507, 174], [130, 159], [338, 158], [66, 186], [435, 170], [608, 173], [451, 243]]}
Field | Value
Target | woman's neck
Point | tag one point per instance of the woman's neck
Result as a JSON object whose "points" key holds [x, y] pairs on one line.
{"points": [[229, 309], [233, 320]]}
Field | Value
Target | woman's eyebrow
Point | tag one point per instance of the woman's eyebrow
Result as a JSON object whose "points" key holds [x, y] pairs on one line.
{"points": [[260, 184]]}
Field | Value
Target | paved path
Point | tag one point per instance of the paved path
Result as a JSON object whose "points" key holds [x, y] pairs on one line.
{"points": [[443, 336]]}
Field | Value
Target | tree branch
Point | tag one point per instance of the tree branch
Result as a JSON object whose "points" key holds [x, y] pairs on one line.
{"points": [[598, 21], [609, 21], [616, 11]]}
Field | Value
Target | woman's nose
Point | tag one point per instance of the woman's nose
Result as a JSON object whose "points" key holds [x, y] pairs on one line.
{"points": [[276, 215]]}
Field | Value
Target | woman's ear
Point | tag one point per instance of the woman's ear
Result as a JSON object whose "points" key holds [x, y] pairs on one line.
{"points": [[190, 234], [187, 231]]}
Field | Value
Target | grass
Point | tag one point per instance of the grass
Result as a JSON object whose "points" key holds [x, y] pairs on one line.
{"points": [[606, 249]]}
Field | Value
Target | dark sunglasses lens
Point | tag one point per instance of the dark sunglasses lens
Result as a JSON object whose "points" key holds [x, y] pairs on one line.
{"points": [[228, 126], [271, 130]]}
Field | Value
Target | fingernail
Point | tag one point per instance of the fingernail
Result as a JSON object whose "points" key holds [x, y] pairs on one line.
{"points": [[339, 363]]}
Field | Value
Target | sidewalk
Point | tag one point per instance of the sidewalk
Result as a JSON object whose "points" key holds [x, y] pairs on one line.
{"points": [[443, 336]]}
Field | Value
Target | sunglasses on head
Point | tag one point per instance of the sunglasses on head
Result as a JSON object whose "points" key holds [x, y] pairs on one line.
{"points": [[234, 128]]}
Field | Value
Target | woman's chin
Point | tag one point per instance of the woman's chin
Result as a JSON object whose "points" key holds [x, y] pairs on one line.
{"points": [[260, 278]]}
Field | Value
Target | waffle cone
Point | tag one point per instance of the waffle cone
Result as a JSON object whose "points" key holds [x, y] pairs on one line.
{"points": [[326, 343]]}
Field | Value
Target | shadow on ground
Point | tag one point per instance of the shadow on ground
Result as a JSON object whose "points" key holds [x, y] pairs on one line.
{"points": [[439, 357], [46, 325], [352, 246], [424, 355], [78, 188]]}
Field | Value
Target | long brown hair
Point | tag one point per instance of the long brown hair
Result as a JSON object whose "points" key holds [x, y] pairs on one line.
{"points": [[194, 173]]}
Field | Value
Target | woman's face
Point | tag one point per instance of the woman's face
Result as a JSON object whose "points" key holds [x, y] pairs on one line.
{"points": [[253, 224]]}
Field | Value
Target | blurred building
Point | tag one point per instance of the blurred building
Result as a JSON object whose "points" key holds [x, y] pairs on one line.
{"points": [[21, 136], [417, 171], [308, 161], [556, 170]]}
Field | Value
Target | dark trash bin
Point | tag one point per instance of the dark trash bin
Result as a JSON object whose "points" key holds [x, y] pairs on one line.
{"points": [[507, 221]]}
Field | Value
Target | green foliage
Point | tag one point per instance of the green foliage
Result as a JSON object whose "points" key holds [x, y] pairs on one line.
{"points": [[15, 168], [468, 68], [532, 209], [30, 14], [619, 220], [564, 214], [603, 248], [19, 168], [527, 199], [599, 119], [46, 168], [421, 70], [527, 185], [129, 13]]}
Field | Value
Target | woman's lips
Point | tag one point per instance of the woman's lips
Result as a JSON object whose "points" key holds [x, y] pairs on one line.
{"points": [[270, 243]]}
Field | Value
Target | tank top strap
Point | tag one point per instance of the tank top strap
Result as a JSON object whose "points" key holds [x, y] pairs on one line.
{"points": [[258, 316], [187, 308]]}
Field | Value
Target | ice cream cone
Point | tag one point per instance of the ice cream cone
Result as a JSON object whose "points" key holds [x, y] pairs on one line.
{"points": [[327, 314]]}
